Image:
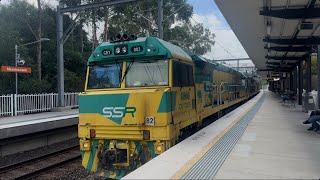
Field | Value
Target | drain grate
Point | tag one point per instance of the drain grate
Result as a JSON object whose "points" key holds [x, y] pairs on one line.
{"points": [[208, 165]]}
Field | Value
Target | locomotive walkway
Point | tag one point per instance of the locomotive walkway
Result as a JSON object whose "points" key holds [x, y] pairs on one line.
{"points": [[266, 140]]}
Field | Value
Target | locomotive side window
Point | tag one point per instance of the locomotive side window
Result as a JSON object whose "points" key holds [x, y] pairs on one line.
{"points": [[104, 76], [182, 74], [144, 74]]}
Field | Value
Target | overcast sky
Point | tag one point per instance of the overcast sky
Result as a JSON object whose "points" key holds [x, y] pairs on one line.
{"points": [[206, 12]]}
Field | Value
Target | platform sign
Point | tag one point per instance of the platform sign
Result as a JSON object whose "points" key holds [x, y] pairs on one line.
{"points": [[14, 69]]}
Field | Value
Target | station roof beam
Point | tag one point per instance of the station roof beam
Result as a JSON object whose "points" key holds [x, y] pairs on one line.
{"points": [[298, 41], [295, 58], [277, 67], [289, 29], [276, 70], [289, 49], [280, 63], [301, 13]]}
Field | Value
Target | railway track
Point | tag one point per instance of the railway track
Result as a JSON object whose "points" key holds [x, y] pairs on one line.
{"points": [[34, 167]]}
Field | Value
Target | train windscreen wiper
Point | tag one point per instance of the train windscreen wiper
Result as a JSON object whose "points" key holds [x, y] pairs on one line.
{"points": [[127, 70]]}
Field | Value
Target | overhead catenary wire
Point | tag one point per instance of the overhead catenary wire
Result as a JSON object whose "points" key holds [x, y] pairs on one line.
{"points": [[216, 40], [225, 49]]}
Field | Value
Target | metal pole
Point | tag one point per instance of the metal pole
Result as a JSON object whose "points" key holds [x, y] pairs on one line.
{"points": [[60, 60], [291, 81], [160, 18], [295, 80], [300, 82], [318, 75], [16, 64], [238, 64], [308, 73]]}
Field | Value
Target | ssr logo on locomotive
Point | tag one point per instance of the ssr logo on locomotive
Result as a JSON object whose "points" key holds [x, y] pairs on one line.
{"points": [[118, 112]]}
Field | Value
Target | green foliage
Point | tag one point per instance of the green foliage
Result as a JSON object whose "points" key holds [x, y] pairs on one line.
{"points": [[33, 86], [73, 82], [132, 19], [18, 21], [192, 37]]}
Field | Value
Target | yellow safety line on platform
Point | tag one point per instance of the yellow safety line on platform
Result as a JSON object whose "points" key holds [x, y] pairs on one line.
{"points": [[189, 164]]}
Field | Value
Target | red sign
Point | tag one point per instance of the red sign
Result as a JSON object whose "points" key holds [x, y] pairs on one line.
{"points": [[15, 69]]}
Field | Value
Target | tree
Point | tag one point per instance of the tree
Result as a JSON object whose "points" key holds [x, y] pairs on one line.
{"points": [[82, 19], [19, 25], [22, 22], [141, 19], [106, 24], [192, 37]]}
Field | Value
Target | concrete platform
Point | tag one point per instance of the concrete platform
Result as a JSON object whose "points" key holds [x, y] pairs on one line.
{"points": [[175, 161], [27, 124], [273, 145], [276, 145]]}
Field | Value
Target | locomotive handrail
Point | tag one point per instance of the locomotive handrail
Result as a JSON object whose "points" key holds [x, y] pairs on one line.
{"points": [[234, 91], [215, 92], [221, 91]]}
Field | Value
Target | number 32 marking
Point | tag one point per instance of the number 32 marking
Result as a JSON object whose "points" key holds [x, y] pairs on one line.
{"points": [[149, 121]]}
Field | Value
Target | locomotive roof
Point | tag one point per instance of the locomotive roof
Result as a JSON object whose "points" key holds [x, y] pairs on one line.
{"points": [[145, 48], [206, 63]]}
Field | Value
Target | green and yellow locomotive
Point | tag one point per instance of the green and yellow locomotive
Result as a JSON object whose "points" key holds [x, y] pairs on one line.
{"points": [[141, 94]]}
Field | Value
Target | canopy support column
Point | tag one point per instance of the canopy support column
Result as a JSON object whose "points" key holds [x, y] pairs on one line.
{"points": [[308, 97], [295, 80], [318, 75], [300, 82]]}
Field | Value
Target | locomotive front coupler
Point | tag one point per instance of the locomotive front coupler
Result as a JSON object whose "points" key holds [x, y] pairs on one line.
{"points": [[113, 156]]}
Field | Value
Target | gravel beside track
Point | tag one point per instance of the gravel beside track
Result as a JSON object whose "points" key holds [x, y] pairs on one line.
{"points": [[34, 167], [15, 158], [72, 170]]}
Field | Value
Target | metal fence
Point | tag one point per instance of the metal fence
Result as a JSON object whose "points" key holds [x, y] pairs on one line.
{"points": [[6, 105], [12, 104]]}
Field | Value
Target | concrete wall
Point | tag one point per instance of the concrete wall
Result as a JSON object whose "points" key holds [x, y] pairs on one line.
{"points": [[20, 144]]}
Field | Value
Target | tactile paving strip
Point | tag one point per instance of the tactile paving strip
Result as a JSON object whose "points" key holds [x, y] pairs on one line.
{"points": [[208, 165]]}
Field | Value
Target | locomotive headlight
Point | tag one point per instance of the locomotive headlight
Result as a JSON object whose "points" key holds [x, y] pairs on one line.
{"points": [[159, 148], [124, 50], [84, 145], [118, 50]]}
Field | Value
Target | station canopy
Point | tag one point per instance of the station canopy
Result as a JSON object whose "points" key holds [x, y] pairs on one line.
{"points": [[276, 34]]}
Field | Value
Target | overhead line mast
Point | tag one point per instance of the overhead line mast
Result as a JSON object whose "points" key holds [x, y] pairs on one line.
{"points": [[61, 38]]}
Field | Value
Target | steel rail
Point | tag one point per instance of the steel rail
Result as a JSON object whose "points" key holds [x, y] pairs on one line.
{"points": [[17, 165], [38, 172]]}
